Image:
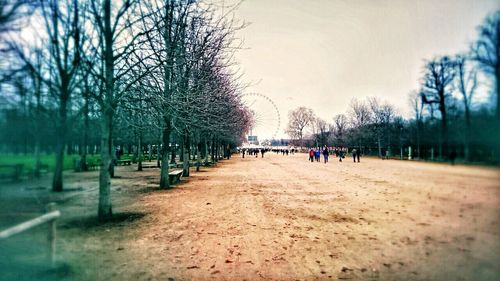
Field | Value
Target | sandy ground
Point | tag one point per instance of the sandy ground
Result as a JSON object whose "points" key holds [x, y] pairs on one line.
{"points": [[283, 218]]}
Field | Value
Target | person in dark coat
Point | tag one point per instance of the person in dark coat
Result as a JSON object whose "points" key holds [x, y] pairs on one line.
{"points": [[325, 154]]}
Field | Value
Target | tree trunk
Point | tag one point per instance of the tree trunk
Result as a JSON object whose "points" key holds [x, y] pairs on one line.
{"points": [[37, 157], [217, 151], [113, 160], [83, 158], [104, 211], [57, 181], [467, 134], [139, 152], [213, 151], [198, 156], [419, 147], [159, 155], [164, 170], [444, 126], [37, 132], [206, 151], [185, 163], [173, 155], [150, 152], [379, 145]]}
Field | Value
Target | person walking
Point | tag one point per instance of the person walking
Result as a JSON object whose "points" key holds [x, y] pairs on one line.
{"points": [[358, 153], [354, 154], [311, 155], [325, 154]]}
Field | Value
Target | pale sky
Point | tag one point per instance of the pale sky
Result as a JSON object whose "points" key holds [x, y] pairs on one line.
{"points": [[322, 53]]}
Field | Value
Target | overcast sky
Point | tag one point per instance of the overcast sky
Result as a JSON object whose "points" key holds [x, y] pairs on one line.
{"points": [[322, 53]]}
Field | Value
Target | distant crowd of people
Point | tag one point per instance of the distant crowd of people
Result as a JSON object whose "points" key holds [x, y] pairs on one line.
{"points": [[283, 151], [256, 151], [339, 152], [252, 151], [314, 153]]}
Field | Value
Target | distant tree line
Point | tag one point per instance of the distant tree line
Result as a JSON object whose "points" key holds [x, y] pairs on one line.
{"points": [[451, 117], [84, 76]]}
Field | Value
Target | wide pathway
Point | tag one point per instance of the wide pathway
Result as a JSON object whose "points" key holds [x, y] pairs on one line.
{"points": [[284, 218]]}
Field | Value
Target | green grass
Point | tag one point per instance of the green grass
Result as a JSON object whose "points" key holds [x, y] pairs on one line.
{"points": [[29, 161]]}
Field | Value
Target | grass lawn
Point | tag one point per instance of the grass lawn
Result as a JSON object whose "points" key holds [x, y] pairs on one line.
{"points": [[28, 162]]}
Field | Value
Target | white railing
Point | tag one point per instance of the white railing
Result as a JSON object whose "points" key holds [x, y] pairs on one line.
{"points": [[50, 217]]}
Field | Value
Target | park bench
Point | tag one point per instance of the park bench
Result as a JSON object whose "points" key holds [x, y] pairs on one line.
{"points": [[92, 166], [123, 162], [174, 176], [44, 168], [15, 170]]}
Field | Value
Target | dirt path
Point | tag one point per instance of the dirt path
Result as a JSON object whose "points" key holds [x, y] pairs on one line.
{"points": [[283, 218]]}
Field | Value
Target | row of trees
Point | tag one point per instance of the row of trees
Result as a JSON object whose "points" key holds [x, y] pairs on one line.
{"points": [[448, 115], [104, 71]]}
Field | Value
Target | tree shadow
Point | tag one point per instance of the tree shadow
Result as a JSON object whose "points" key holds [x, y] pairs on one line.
{"points": [[90, 222]]}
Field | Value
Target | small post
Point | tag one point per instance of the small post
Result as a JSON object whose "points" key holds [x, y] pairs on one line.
{"points": [[52, 235]]}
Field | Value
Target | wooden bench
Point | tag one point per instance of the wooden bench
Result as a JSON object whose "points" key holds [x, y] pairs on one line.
{"points": [[174, 176], [44, 168], [15, 169], [93, 166], [123, 162]]}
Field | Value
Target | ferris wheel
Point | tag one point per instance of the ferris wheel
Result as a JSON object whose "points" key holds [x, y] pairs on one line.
{"points": [[265, 116]]}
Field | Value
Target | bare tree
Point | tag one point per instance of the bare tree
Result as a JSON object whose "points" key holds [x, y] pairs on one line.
{"points": [[321, 131], [360, 117], [437, 80], [115, 60], [298, 120], [63, 62], [340, 125], [189, 45], [11, 11], [37, 91], [418, 108], [486, 51], [467, 83], [65, 43], [382, 115]]}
